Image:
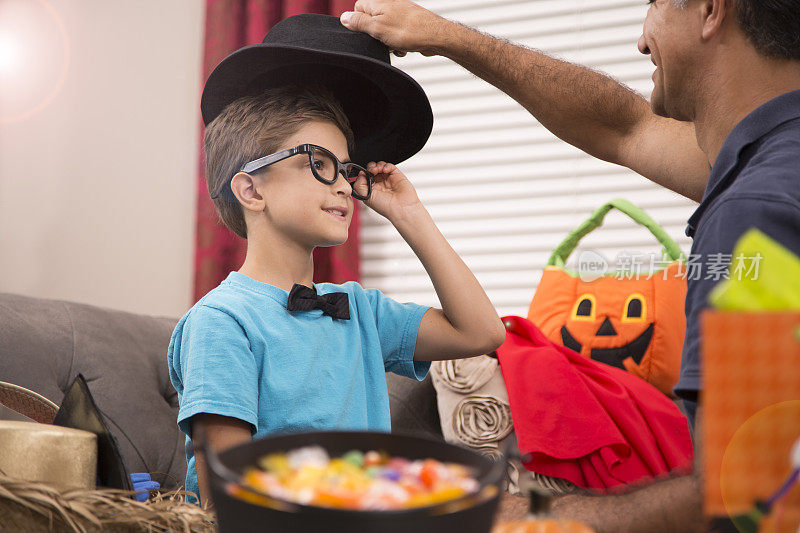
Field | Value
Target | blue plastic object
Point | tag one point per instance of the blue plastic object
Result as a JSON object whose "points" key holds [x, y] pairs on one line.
{"points": [[142, 484]]}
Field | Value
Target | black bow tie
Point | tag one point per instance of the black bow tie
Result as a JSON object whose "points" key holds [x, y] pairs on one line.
{"points": [[334, 304]]}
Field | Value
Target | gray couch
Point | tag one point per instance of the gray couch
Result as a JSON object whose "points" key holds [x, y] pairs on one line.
{"points": [[44, 344]]}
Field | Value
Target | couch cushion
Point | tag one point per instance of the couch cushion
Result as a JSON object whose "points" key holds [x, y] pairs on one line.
{"points": [[44, 344], [413, 407]]}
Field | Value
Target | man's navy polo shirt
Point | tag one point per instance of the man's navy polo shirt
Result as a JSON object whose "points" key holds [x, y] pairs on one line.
{"points": [[755, 182]]}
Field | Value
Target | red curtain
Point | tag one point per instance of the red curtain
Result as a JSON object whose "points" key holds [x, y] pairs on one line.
{"points": [[230, 25]]}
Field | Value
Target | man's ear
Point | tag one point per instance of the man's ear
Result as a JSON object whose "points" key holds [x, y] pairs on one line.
{"points": [[714, 13], [243, 186]]}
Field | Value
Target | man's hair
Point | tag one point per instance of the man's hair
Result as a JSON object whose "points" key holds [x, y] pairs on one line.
{"points": [[255, 126], [772, 26]]}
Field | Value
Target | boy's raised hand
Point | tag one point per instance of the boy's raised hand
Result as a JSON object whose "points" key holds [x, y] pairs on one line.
{"points": [[393, 195], [467, 324]]}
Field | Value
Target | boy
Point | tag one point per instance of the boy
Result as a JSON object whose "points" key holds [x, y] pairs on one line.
{"points": [[268, 350]]}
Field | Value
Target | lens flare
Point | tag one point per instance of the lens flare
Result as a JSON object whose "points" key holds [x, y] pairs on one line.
{"points": [[9, 55], [34, 57]]}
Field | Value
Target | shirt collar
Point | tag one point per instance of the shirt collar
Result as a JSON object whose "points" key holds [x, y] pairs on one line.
{"points": [[753, 127], [276, 293]]}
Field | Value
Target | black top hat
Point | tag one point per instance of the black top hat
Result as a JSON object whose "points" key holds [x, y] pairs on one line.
{"points": [[388, 111]]}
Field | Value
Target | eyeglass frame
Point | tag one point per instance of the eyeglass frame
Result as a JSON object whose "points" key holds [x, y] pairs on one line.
{"points": [[341, 168]]}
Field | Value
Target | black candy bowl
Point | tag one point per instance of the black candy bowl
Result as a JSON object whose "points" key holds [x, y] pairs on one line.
{"points": [[469, 514]]}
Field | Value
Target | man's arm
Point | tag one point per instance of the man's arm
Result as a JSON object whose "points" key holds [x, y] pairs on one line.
{"points": [[220, 433], [663, 507], [666, 506], [582, 107]]}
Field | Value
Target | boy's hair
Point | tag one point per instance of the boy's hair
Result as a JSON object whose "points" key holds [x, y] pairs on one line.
{"points": [[255, 126]]}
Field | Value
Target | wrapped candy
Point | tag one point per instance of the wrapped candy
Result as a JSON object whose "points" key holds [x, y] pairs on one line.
{"points": [[359, 481]]}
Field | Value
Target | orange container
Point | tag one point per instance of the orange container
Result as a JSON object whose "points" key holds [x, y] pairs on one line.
{"points": [[751, 412]]}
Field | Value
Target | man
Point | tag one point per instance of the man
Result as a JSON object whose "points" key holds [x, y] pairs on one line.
{"points": [[726, 96]]}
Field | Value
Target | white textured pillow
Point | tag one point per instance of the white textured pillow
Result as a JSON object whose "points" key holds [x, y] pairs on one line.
{"points": [[474, 412], [472, 402]]}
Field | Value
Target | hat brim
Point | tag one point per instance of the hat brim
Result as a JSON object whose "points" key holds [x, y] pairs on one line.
{"points": [[388, 111], [27, 403]]}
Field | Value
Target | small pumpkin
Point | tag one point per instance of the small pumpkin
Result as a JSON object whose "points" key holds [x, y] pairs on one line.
{"points": [[539, 521], [542, 526], [635, 323]]}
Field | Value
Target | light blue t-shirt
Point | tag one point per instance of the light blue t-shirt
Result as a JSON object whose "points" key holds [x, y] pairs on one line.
{"points": [[239, 352]]}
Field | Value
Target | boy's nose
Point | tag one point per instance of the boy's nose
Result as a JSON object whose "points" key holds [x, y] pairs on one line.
{"points": [[341, 185]]}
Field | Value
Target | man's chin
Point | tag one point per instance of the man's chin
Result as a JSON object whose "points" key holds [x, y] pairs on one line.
{"points": [[660, 107], [657, 106]]}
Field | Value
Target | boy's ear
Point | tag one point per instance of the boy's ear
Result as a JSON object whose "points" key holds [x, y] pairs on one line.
{"points": [[243, 186]]}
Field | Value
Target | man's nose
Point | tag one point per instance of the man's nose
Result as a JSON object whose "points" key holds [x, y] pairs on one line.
{"points": [[642, 44]]}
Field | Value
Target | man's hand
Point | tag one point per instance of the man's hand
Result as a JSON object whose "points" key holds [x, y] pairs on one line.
{"points": [[401, 25]]}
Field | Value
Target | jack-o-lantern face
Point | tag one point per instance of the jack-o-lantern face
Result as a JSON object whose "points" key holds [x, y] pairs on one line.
{"points": [[611, 336], [634, 324]]}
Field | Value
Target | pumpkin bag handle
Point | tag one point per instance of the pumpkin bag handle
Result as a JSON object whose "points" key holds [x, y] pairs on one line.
{"points": [[595, 220]]}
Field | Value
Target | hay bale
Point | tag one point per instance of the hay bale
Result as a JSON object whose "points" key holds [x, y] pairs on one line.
{"points": [[36, 507]]}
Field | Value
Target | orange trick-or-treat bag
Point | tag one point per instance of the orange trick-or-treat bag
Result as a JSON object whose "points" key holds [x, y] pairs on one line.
{"points": [[634, 321]]}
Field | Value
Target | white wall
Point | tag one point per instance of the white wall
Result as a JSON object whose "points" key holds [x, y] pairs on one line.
{"points": [[97, 188]]}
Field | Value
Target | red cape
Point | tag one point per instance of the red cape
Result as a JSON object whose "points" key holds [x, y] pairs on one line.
{"points": [[589, 423]]}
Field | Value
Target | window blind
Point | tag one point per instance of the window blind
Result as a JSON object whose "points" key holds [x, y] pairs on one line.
{"points": [[503, 190]]}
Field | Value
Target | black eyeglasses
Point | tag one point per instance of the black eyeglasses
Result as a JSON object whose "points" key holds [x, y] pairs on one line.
{"points": [[324, 165]]}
